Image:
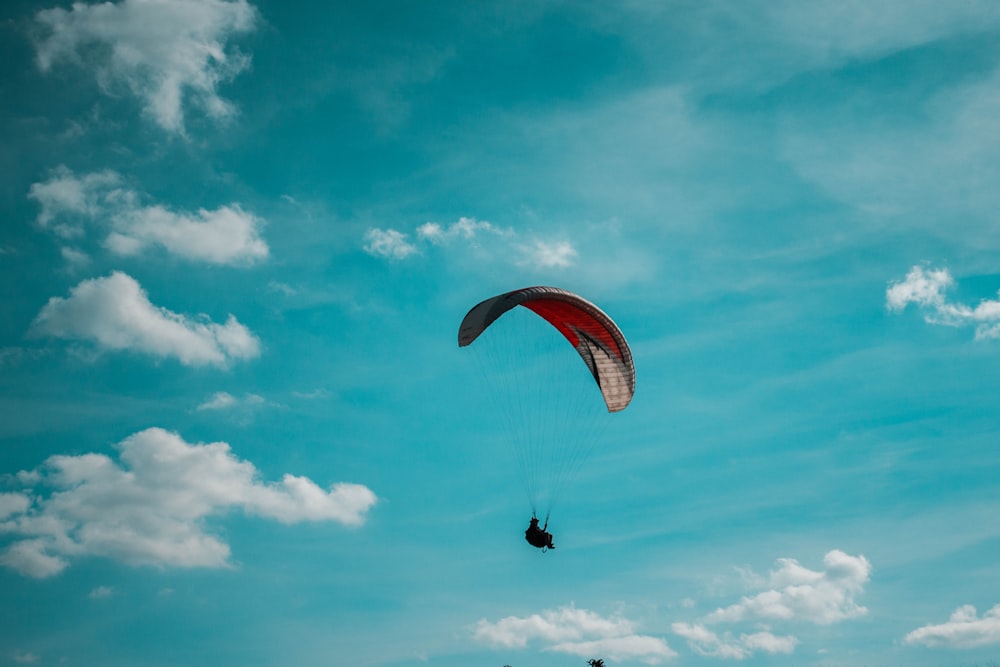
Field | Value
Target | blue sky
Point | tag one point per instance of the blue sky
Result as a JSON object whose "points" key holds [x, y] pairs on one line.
{"points": [[237, 242]]}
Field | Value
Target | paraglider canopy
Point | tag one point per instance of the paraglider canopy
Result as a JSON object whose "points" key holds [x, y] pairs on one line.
{"points": [[595, 336]]}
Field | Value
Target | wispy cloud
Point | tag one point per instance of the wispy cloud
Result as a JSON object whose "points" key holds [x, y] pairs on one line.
{"points": [[963, 630], [115, 313], [926, 289], [504, 244], [901, 158], [222, 400], [708, 643], [150, 506], [466, 229], [168, 54], [70, 204], [576, 632], [101, 592]]}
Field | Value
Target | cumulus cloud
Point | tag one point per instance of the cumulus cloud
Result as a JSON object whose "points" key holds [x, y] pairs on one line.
{"points": [[116, 314], [70, 204], [469, 232], [792, 593], [576, 632], [963, 630], [168, 53], [227, 235], [150, 507], [708, 643], [925, 288], [800, 594]]}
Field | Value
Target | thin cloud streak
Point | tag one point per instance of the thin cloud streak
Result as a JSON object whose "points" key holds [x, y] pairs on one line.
{"points": [[505, 245], [708, 643]]}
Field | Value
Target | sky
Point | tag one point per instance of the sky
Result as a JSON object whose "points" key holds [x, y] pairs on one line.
{"points": [[238, 239]]}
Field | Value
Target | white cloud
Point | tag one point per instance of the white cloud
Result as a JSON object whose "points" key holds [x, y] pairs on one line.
{"points": [[963, 630], [921, 287], [115, 313], [166, 52], [647, 649], [66, 195], [546, 255], [69, 203], [504, 243], [29, 557], [25, 658], [150, 508], [794, 594], [13, 503], [466, 229], [388, 243], [576, 632], [926, 289], [101, 592], [219, 401], [222, 400], [800, 594], [74, 257], [227, 235], [708, 643], [769, 643]]}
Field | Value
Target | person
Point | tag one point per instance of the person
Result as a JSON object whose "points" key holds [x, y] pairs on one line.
{"points": [[538, 537]]}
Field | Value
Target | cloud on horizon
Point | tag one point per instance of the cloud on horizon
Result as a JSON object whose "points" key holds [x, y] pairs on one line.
{"points": [[926, 289], [710, 644], [962, 630], [150, 506], [114, 313], [70, 204], [168, 54], [793, 594], [576, 632]]}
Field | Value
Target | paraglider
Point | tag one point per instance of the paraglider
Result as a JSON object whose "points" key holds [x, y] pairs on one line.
{"points": [[537, 537], [548, 435]]}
